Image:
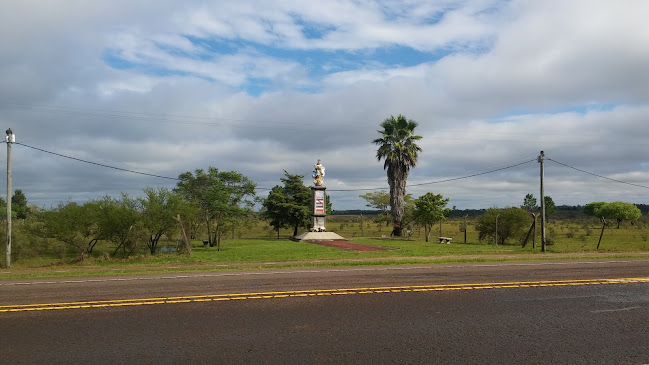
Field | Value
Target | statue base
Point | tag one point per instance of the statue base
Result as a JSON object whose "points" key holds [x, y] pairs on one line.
{"points": [[318, 236]]}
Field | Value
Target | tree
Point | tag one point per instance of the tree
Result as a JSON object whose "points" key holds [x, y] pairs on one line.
{"points": [[224, 198], [550, 207], [620, 211], [511, 224], [379, 200], [159, 209], [529, 203], [117, 220], [288, 205], [19, 204], [429, 209], [593, 209], [398, 148], [274, 209], [69, 223]]}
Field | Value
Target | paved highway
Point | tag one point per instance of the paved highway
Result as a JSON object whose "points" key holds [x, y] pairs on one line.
{"points": [[590, 312]]}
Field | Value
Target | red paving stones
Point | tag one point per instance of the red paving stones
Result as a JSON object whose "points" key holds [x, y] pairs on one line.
{"points": [[346, 245]]}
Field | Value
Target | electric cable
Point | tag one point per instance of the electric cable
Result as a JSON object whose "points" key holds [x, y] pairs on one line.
{"points": [[339, 190], [600, 176], [268, 189], [447, 180], [96, 163]]}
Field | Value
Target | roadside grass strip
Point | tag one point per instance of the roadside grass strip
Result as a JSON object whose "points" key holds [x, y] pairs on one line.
{"points": [[310, 293]]}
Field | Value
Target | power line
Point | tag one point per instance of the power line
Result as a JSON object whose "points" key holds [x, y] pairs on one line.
{"points": [[108, 166], [260, 188], [447, 180], [600, 176], [98, 164], [338, 190]]}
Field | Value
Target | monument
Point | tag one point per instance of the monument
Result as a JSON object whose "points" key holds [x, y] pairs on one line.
{"points": [[318, 230], [318, 200]]}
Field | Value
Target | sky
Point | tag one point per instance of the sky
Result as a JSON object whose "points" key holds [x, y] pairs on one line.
{"points": [[164, 87]]}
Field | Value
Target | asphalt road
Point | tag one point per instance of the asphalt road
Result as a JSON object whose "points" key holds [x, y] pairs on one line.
{"points": [[588, 312]]}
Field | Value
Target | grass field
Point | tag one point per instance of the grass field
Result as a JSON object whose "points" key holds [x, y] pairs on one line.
{"points": [[259, 247]]}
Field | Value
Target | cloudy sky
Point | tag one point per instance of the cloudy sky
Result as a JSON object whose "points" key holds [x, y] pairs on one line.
{"points": [[163, 87]]}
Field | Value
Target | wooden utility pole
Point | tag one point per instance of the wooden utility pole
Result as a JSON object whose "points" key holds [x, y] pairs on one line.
{"points": [[534, 237], [188, 245], [11, 138], [541, 160], [362, 234], [496, 238]]}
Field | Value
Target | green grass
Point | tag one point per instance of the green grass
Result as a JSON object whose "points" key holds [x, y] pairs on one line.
{"points": [[262, 250]]}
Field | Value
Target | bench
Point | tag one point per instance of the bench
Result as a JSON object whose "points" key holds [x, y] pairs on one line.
{"points": [[446, 240]]}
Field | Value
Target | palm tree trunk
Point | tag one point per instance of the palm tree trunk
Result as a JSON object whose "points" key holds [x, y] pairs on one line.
{"points": [[397, 180]]}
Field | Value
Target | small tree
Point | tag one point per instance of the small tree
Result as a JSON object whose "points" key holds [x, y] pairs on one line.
{"points": [[511, 224], [275, 209], [288, 205], [116, 220], [19, 205], [529, 203], [379, 200], [69, 223], [159, 209], [224, 198], [429, 209]]}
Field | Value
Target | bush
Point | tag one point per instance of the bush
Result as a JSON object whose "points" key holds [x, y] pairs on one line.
{"points": [[512, 224]]}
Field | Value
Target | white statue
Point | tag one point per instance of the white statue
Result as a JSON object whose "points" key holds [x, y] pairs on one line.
{"points": [[318, 174]]}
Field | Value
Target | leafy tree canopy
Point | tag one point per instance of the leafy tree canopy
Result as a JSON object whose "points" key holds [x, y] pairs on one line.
{"points": [[223, 197], [379, 200], [619, 211], [593, 209], [159, 208]]}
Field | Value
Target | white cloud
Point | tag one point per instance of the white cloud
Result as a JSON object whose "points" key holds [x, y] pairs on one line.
{"points": [[491, 83]]}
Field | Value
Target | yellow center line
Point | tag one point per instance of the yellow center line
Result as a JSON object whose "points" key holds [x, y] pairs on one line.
{"points": [[311, 293]]}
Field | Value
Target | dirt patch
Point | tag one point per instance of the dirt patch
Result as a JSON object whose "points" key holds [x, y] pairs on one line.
{"points": [[350, 246]]}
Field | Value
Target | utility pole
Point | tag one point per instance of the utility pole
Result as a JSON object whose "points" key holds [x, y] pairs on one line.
{"points": [[496, 238], [362, 234], [11, 138], [541, 160], [465, 227]]}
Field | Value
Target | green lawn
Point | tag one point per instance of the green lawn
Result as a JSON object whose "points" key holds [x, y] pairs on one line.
{"points": [[258, 247]]}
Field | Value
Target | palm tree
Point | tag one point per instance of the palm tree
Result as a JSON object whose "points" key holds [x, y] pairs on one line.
{"points": [[398, 148]]}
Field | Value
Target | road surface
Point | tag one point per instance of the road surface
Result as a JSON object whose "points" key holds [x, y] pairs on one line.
{"points": [[590, 312]]}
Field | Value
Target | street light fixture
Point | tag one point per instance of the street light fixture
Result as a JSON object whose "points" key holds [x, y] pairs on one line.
{"points": [[11, 137]]}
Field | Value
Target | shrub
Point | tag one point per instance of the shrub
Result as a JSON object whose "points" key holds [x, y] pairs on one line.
{"points": [[512, 223]]}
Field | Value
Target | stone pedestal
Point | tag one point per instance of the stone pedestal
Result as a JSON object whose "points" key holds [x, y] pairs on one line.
{"points": [[318, 208]]}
